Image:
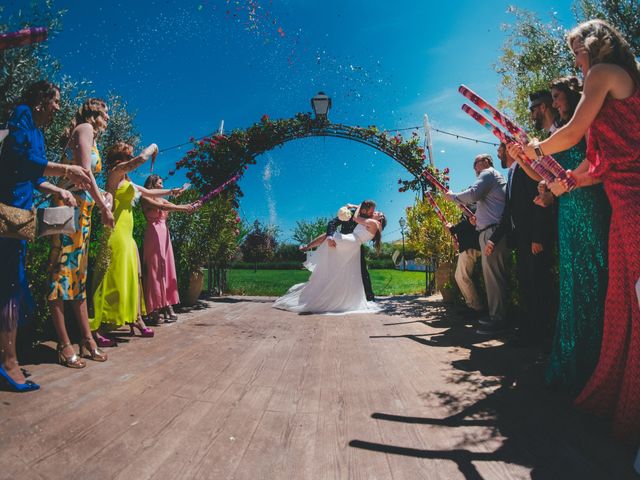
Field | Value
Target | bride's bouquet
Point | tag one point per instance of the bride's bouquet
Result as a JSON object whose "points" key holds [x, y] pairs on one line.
{"points": [[344, 214]]}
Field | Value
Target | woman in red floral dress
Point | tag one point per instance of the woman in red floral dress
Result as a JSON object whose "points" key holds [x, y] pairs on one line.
{"points": [[609, 114]]}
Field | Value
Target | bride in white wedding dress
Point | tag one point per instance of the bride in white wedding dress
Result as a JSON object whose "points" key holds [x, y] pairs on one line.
{"points": [[335, 285]]}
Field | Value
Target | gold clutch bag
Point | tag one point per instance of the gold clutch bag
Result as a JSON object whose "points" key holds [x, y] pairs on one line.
{"points": [[17, 223], [21, 224]]}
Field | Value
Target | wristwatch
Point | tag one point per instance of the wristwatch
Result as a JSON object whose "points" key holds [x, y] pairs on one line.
{"points": [[538, 150]]}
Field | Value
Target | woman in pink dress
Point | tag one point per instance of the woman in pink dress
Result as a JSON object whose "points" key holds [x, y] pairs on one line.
{"points": [[160, 280], [609, 114]]}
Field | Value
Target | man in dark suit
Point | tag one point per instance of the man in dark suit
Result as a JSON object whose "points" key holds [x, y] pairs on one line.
{"points": [[366, 211], [528, 229]]}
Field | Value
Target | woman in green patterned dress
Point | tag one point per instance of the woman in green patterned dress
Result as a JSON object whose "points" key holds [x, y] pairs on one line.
{"points": [[583, 229]]}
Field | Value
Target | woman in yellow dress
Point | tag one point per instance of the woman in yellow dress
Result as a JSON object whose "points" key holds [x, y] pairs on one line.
{"points": [[117, 299], [70, 253]]}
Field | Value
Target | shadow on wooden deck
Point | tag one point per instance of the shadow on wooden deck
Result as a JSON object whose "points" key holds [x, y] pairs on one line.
{"points": [[245, 391], [541, 428]]}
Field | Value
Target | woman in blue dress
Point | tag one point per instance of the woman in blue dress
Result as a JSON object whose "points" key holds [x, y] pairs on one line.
{"points": [[23, 165]]}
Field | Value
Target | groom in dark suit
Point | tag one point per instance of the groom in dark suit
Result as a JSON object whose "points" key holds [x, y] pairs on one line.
{"points": [[366, 211], [529, 230]]}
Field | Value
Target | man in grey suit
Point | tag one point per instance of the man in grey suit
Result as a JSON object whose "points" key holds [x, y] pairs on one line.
{"points": [[489, 195]]}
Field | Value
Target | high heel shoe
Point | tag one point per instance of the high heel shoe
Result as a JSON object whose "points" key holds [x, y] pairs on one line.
{"points": [[155, 318], [74, 361], [27, 386], [170, 318], [103, 341], [94, 354], [145, 332]]}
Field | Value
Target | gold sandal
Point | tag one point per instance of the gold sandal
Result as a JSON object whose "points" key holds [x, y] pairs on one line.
{"points": [[94, 354], [74, 361]]}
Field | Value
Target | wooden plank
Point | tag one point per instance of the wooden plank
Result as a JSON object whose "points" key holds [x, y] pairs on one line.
{"points": [[282, 446], [241, 390], [232, 433]]}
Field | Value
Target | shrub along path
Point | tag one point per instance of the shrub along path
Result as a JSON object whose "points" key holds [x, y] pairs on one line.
{"points": [[238, 390]]}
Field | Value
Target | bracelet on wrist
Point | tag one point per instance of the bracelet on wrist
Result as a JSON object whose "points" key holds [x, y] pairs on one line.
{"points": [[538, 150]]}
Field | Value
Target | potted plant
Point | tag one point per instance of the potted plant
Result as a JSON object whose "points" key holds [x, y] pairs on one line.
{"points": [[207, 234], [449, 292], [429, 238]]}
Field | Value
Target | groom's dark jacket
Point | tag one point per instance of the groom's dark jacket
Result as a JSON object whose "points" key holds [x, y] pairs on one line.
{"points": [[348, 227]]}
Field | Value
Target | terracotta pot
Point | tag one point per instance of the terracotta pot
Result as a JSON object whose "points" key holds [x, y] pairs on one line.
{"points": [[196, 281], [445, 274], [448, 295]]}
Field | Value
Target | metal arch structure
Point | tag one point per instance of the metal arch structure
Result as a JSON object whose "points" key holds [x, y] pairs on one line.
{"points": [[358, 134], [266, 135], [323, 128]]}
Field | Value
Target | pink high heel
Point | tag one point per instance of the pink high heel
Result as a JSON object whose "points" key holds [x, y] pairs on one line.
{"points": [[145, 332], [103, 341]]}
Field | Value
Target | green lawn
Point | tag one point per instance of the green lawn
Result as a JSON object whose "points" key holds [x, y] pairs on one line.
{"points": [[277, 282]]}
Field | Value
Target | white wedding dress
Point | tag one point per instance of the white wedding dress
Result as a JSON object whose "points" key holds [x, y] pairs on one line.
{"points": [[335, 285]]}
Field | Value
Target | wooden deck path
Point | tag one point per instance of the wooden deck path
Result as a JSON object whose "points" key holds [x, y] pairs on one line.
{"points": [[239, 390]]}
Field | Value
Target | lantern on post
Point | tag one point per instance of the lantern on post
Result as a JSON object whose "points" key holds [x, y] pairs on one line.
{"points": [[321, 104], [403, 224]]}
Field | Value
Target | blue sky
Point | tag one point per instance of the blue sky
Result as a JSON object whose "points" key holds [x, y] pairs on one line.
{"points": [[184, 66]]}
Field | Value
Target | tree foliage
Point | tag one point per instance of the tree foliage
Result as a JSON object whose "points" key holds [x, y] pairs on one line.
{"points": [[535, 51], [307, 230], [206, 236], [533, 54], [426, 235], [260, 244], [288, 252], [622, 14], [22, 66]]}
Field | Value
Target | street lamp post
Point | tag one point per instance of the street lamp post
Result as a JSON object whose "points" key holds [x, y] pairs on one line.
{"points": [[403, 223], [321, 105]]}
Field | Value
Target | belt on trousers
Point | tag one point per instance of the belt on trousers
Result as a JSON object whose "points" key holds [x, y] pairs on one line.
{"points": [[487, 227]]}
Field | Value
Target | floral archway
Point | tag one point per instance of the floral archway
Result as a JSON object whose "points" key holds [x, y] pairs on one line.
{"points": [[215, 158]]}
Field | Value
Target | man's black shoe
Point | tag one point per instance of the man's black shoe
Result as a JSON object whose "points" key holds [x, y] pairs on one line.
{"points": [[472, 314], [524, 342], [491, 330]]}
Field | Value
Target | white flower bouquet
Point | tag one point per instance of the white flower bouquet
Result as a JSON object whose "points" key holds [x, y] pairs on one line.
{"points": [[344, 214]]}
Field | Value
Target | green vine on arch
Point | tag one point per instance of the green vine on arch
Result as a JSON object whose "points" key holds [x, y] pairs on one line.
{"points": [[214, 159]]}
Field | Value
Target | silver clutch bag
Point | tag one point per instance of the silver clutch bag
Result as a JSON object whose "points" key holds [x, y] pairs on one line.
{"points": [[57, 220]]}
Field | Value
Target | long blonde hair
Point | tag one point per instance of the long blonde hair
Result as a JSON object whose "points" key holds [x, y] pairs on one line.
{"points": [[605, 44], [92, 107]]}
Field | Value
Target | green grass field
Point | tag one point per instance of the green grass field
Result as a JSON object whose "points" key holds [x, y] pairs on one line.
{"points": [[277, 282]]}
